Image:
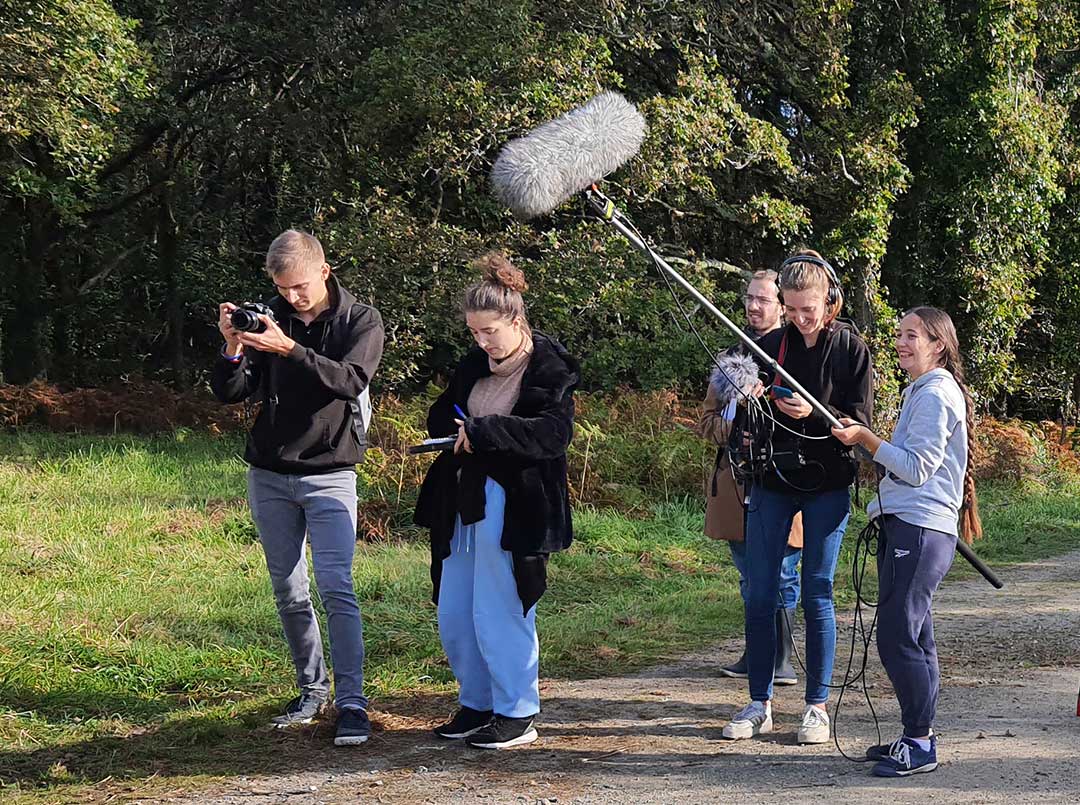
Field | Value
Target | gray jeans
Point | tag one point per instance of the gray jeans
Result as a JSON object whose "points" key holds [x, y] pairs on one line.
{"points": [[322, 508]]}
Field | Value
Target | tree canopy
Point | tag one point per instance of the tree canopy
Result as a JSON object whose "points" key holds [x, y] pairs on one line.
{"points": [[148, 155]]}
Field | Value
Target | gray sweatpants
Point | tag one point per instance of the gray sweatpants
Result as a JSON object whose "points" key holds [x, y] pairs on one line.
{"points": [[322, 508]]}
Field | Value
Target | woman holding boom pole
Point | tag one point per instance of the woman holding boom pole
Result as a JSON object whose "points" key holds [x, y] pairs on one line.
{"points": [[809, 472]]}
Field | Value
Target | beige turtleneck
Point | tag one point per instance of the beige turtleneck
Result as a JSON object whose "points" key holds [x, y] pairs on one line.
{"points": [[498, 393]]}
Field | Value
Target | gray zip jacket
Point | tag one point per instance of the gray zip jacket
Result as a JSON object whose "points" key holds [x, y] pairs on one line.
{"points": [[926, 458]]}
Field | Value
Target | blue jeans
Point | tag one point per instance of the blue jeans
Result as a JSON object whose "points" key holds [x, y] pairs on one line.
{"points": [[789, 573], [492, 648], [290, 510], [768, 523]]}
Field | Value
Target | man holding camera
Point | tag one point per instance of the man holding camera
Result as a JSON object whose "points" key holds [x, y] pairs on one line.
{"points": [[308, 356]]}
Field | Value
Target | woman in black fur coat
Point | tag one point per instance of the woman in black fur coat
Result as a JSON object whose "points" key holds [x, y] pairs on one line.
{"points": [[497, 506]]}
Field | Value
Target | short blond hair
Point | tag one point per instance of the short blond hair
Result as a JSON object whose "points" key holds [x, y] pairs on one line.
{"points": [[765, 275], [294, 249]]}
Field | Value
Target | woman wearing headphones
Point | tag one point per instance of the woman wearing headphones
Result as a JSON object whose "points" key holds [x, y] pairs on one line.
{"points": [[926, 499], [810, 472], [497, 506]]}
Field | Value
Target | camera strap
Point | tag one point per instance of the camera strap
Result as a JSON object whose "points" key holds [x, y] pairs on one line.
{"points": [[360, 406], [272, 382]]}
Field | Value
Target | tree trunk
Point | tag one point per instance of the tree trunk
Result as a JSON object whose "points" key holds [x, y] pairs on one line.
{"points": [[64, 364], [169, 267], [1075, 402], [863, 310], [11, 225], [25, 356]]}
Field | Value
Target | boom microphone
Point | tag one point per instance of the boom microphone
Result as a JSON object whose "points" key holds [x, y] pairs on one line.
{"points": [[536, 173], [734, 377]]}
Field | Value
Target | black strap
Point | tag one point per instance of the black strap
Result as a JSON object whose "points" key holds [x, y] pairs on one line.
{"points": [[354, 404], [841, 375], [842, 368], [716, 470]]}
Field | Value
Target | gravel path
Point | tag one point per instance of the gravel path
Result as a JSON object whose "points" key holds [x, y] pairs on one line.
{"points": [[1007, 726]]}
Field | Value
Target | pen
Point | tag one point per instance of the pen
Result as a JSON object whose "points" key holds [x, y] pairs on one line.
{"points": [[460, 413]]}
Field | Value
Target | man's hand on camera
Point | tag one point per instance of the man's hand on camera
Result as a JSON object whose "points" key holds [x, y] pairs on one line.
{"points": [[272, 339], [233, 346]]}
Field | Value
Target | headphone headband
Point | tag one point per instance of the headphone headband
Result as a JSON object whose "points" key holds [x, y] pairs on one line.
{"points": [[830, 272], [833, 295]]}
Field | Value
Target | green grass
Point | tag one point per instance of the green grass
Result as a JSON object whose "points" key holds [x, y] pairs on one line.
{"points": [[139, 635]]}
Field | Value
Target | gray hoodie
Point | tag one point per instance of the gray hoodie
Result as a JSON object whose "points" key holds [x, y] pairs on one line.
{"points": [[926, 459]]}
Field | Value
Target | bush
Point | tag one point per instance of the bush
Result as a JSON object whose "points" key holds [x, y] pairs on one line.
{"points": [[632, 450], [131, 408], [1014, 450], [1004, 450]]}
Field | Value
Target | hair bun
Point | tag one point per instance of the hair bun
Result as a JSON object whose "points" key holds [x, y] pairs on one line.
{"points": [[498, 269]]}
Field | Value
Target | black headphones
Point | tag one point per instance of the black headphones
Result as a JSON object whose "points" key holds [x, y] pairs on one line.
{"points": [[833, 296]]}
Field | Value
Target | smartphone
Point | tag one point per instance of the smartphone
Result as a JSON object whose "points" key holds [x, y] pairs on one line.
{"points": [[781, 391], [434, 445]]}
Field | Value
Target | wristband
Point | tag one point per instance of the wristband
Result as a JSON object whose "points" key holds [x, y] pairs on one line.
{"points": [[232, 358]]}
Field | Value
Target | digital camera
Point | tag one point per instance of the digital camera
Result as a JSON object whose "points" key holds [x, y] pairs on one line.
{"points": [[245, 318]]}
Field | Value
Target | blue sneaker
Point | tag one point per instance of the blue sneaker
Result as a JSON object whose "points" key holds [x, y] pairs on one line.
{"points": [[881, 751], [907, 758]]}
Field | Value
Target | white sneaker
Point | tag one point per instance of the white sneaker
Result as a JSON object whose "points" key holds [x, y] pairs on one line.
{"points": [[815, 726], [752, 720]]}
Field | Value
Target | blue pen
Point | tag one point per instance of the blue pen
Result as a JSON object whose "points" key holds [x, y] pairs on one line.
{"points": [[461, 414]]}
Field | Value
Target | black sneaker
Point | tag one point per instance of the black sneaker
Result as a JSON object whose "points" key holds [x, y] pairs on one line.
{"points": [[464, 723], [502, 733], [353, 727], [302, 710], [737, 669]]}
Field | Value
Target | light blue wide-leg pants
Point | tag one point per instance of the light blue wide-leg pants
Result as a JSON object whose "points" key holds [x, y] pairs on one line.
{"points": [[492, 647]]}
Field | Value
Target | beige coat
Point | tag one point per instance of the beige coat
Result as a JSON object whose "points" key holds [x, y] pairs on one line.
{"points": [[724, 513]]}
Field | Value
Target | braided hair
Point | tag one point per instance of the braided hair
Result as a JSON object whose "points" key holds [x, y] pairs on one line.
{"points": [[940, 328]]}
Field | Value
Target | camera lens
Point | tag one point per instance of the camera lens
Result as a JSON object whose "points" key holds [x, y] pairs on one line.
{"points": [[246, 321]]}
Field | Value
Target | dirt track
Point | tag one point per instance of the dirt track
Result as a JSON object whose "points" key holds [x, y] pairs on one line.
{"points": [[1011, 669]]}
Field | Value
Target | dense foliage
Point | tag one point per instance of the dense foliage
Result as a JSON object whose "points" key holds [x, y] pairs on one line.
{"points": [[149, 154]]}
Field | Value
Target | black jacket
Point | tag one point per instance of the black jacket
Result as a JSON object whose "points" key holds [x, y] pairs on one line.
{"points": [[837, 371], [305, 425], [524, 452]]}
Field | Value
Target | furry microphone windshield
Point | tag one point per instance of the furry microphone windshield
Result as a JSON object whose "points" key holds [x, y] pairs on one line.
{"points": [[536, 173], [735, 376]]}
